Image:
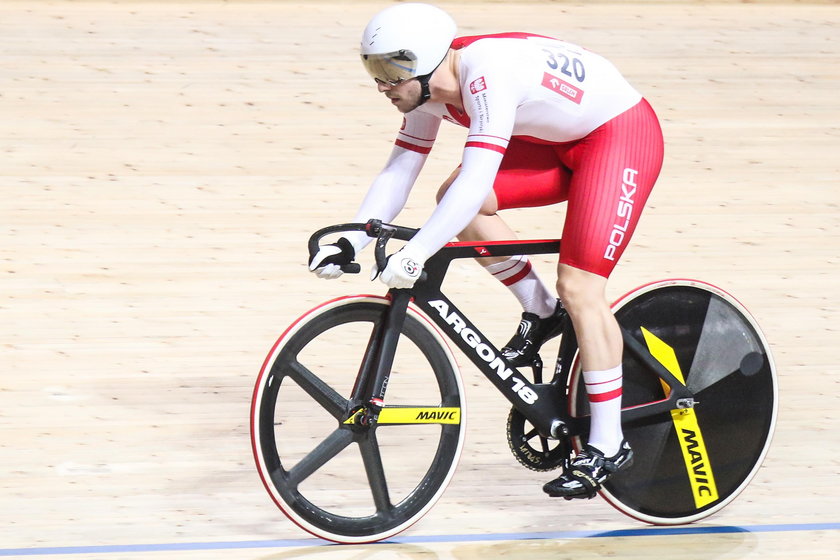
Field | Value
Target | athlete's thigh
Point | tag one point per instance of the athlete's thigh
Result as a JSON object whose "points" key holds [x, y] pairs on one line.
{"points": [[613, 172], [530, 175]]}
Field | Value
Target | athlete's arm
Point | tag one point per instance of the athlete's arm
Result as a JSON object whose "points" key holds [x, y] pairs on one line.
{"points": [[460, 204], [491, 96], [389, 191]]}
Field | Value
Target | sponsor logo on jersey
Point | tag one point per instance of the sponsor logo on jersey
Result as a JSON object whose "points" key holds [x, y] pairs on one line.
{"points": [[562, 87], [477, 85]]}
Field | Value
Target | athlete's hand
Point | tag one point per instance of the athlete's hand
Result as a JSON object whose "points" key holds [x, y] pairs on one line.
{"points": [[403, 268], [328, 261]]}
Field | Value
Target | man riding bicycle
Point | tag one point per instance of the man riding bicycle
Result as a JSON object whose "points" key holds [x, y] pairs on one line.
{"points": [[548, 122]]}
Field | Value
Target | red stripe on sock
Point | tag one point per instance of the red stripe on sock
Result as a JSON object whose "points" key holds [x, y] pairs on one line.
{"points": [[519, 275], [603, 397], [603, 382], [505, 271]]}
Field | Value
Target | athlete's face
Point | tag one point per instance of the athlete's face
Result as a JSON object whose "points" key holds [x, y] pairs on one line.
{"points": [[405, 95]]}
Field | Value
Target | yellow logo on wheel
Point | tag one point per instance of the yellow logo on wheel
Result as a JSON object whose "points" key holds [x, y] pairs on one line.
{"points": [[690, 436], [420, 415]]}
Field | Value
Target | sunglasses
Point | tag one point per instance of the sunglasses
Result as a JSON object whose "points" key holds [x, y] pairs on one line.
{"points": [[392, 68]]}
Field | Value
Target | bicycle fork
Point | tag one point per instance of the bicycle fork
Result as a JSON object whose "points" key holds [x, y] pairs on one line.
{"points": [[368, 393]]}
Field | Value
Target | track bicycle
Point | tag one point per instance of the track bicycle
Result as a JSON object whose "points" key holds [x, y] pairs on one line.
{"points": [[358, 413]]}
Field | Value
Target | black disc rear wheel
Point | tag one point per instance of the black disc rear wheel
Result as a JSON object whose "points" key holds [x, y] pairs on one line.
{"points": [[690, 463]]}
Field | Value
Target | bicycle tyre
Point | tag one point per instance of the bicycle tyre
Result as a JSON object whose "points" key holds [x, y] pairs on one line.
{"points": [[690, 464], [298, 422]]}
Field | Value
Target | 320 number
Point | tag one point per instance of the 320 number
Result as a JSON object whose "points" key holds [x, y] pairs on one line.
{"points": [[570, 66]]}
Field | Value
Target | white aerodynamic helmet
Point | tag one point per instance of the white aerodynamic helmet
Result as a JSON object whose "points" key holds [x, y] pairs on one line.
{"points": [[406, 41]]}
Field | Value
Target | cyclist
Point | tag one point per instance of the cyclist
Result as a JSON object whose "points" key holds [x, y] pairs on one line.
{"points": [[548, 122]]}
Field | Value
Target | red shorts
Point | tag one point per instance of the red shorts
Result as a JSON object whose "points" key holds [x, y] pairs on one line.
{"points": [[606, 178]]}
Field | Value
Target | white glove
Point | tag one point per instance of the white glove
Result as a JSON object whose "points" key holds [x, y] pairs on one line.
{"points": [[327, 272], [342, 252], [403, 268]]}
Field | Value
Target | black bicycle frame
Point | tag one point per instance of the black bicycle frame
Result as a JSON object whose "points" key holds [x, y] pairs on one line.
{"points": [[545, 405]]}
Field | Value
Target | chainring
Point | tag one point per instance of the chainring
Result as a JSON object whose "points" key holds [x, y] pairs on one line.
{"points": [[532, 450]]}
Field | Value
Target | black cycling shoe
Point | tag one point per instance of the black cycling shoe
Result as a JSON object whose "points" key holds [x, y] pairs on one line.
{"points": [[531, 334], [588, 471]]}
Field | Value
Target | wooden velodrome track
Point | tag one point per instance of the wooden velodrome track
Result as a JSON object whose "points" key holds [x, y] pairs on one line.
{"points": [[164, 162]]}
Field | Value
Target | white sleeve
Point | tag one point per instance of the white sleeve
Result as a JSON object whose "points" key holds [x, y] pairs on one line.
{"points": [[389, 191], [490, 99], [461, 202]]}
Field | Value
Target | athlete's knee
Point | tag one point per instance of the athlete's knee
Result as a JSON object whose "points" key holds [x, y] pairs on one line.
{"points": [[488, 208], [446, 184], [579, 289]]}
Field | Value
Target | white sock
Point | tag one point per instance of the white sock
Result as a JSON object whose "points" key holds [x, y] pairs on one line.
{"points": [[604, 390], [517, 274]]}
